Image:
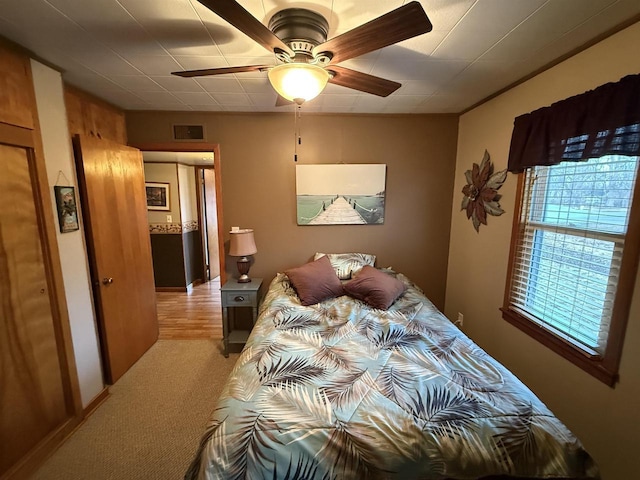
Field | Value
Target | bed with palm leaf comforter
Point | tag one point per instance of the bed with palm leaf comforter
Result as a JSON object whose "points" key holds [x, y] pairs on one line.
{"points": [[339, 390]]}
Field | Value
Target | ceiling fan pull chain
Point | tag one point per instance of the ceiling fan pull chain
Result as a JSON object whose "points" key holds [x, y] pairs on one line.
{"points": [[299, 109], [295, 133]]}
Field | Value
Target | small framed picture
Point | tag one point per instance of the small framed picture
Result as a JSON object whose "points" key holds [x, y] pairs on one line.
{"points": [[158, 196], [67, 210]]}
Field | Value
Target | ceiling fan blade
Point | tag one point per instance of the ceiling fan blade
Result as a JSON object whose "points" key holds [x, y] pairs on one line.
{"points": [[237, 16], [405, 22], [362, 81], [219, 71]]}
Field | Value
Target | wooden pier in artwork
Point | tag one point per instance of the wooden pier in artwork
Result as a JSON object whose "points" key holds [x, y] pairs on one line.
{"points": [[339, 212]]}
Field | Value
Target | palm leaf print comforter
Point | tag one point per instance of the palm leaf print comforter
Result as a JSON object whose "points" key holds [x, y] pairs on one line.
{"points": [[339, 390]]}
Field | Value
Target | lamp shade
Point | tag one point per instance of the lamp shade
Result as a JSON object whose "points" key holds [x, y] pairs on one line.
{"points": [[242, 243], [298, 82]]}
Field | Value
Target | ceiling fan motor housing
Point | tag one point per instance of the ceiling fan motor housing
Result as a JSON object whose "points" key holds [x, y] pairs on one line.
{"points": [[300, 29]]}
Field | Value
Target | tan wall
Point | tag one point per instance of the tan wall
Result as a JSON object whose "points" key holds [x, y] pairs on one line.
{"points": [[61, 170], [258, 184], [164, 173], [607, 420]]}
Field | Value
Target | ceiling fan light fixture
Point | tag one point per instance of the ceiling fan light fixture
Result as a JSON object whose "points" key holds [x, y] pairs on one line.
{"points": [[298, 82]]}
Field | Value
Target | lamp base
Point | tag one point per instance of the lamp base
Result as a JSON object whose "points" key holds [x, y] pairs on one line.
{"points": [[243, 270]]}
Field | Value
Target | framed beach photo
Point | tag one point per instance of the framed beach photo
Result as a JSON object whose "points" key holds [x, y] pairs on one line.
{"points": [[157, 196], [66, 207], [340, 194]]}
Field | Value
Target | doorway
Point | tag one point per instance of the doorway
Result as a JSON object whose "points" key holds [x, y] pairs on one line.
{"points": [[205, 159]]}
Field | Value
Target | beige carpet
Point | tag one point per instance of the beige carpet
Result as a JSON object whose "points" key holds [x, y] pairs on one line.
{"points": [[150, 426]]}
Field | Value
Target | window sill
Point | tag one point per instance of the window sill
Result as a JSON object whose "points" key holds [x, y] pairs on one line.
{"points": [[588, 361]]}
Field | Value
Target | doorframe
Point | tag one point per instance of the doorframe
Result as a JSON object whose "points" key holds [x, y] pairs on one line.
{"points": [[198, 147]]}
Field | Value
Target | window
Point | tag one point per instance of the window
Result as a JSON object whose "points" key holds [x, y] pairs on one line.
{"points": [[566, 267], [576, 233]]}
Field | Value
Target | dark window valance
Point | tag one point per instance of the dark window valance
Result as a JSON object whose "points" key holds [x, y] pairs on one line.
{"points": [[603, 121]]}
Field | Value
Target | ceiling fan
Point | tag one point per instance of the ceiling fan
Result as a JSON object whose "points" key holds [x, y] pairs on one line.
{"points": [[298, 38]]}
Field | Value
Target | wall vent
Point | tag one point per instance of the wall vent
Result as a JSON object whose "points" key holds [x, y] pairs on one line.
{"points": [[188, 132]]}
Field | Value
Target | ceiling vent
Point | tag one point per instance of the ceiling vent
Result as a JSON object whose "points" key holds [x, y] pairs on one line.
{"points": [[188, 132]]}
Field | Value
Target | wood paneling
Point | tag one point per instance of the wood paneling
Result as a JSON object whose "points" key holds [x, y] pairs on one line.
{"points": [[88, 115], [193, 262], [39, 391], [16, 136], [74, 105], [168, 260], [114, 198], [177, 259], [15, 82]]}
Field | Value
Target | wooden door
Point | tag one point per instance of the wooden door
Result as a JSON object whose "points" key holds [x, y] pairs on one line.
{"points": [[33, 401], [211, 217], [112, 185]]}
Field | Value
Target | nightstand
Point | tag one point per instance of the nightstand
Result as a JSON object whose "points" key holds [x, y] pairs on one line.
{"points": [[235, 295]]}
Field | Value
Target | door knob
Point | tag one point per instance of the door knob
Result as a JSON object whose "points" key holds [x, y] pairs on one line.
{"points": [[107, 281]]}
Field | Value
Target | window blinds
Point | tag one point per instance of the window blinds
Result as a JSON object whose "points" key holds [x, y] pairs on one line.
{"points": [[569, 246]]}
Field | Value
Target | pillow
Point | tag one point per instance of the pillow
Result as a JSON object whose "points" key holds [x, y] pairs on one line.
{"points": [[315, 281], [375, 288], [347, 265]]}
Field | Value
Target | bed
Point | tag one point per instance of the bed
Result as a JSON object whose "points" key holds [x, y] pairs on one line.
{"points": [[342, 390]]}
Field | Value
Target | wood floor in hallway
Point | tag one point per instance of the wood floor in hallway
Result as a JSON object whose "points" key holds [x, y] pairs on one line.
{"points": [[190, 315]]}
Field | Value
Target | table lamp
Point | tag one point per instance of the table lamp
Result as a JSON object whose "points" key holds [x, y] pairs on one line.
{"points": [[241, 245]]}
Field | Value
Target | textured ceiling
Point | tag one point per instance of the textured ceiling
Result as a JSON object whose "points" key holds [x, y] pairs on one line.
{"points": [[124, 50]]}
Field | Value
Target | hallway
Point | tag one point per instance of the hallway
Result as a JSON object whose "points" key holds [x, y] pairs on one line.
{"points": [[191, 315]]}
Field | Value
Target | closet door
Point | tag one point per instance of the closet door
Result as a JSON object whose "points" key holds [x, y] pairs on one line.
{"points": [[33, 403]]}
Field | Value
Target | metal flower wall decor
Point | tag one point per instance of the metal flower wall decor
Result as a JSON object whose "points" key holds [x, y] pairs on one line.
{"points": [[481, 192]]}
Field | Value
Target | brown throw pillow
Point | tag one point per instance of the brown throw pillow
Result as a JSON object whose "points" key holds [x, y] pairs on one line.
{"points": [[375, 288], [315, 281]]}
